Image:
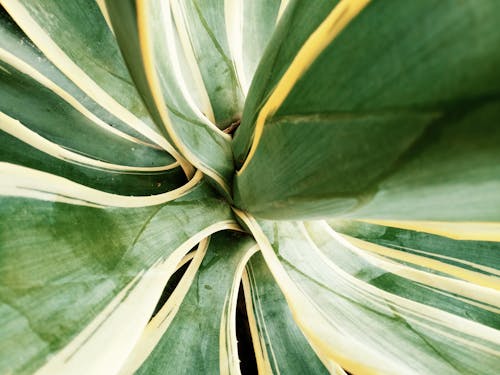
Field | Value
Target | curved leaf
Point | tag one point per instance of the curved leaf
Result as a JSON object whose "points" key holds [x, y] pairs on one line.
{"points": [[159, 72], [209, 346], [357, 109], [337, 295], [16, 49], [249, 26], [204, 22], [70, 275], [280, 346], [75, 37]]}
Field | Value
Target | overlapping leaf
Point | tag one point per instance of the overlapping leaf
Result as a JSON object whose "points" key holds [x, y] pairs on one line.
{"points": [[371, 315], [74, 277], [208, 345], [353, 109], [280, 346], [159, 71], [381, 114]]}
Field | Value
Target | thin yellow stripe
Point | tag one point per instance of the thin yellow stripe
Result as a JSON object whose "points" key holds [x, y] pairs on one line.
{"points": [[317, 42], [478, 231], [467, 275], [104, 11], [151, 75]]}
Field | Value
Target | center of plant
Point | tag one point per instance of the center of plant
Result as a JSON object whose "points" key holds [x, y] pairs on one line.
{"points": [[348, 224]]}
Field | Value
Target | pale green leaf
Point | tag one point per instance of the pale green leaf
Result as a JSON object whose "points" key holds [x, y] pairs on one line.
{"points": [[201, 338], [249, 26], [204, 22], [159, 72], [280, 346]]}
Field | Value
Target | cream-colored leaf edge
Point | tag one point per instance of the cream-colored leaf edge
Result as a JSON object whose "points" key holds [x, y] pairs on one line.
{"points": [[19, 181], [258, 341], [170, 29], [156, 91], [104, 11], [311, 321], [472, 277], [18, 130], [234, 19], [159, 324], [420, 314], [57, 56], [229, 363], [31, 72], [180, 24], [474, 231], [480, 296]]}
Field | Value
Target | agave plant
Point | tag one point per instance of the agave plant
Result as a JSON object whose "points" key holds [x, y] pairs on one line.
{"points": [[339, 161]]}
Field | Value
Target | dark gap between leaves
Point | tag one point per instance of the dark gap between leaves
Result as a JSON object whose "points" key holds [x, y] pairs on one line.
{"points": [[232, 128], [170, 287], [248, 363]]}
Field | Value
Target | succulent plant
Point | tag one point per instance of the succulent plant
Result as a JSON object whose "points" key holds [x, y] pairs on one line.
{"points": [[334, 166]]}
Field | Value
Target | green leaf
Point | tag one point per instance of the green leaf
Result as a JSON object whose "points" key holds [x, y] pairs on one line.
{"points": [[54, 132], [280, 346], [17, 50], [117, 121], [362, 108], [451, 174], [17, 155], [57, 129], [166, 90], [341, 296], [202, 26], [296, 24], [79, 280], [74, 36], [249, 26], [427, 253], [209, 345]]}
